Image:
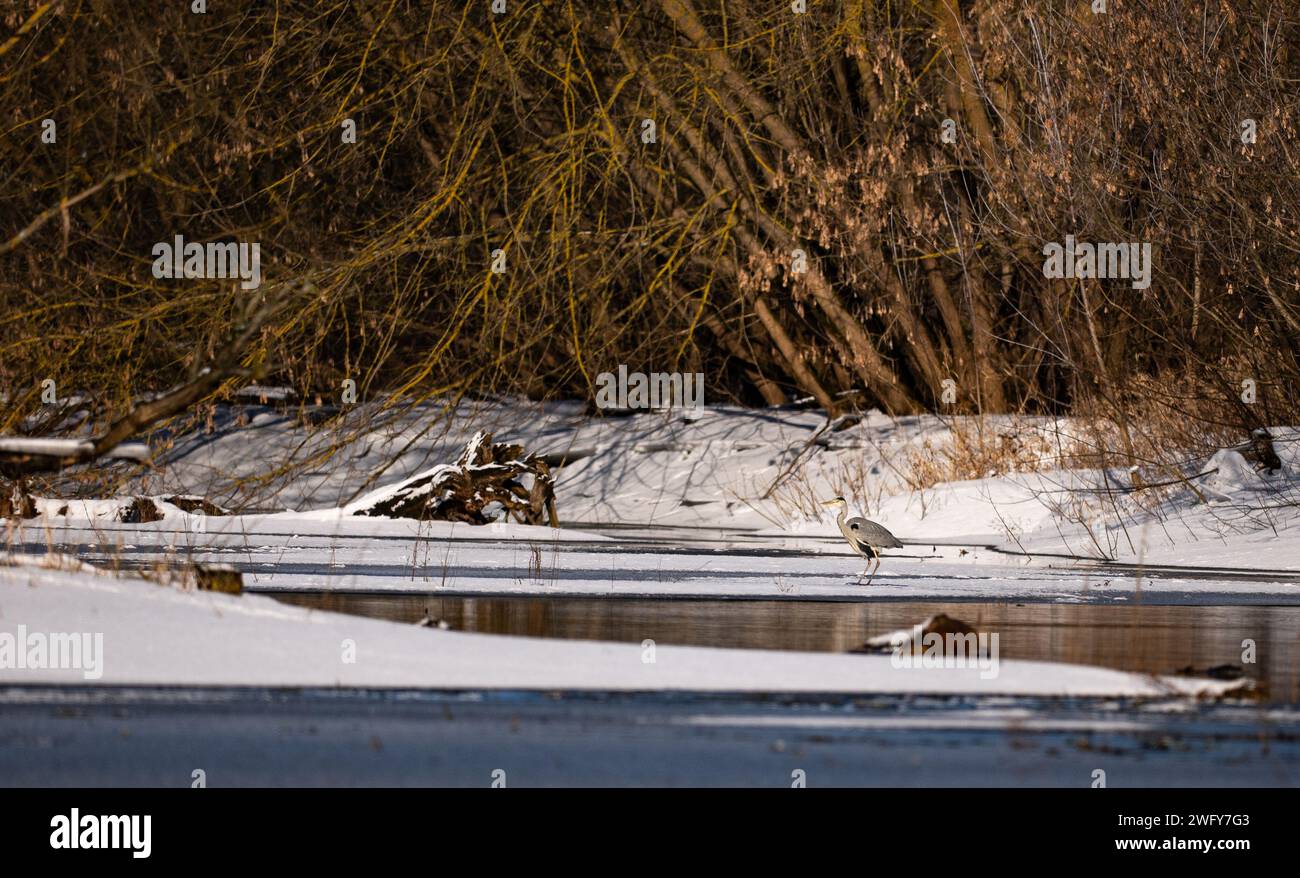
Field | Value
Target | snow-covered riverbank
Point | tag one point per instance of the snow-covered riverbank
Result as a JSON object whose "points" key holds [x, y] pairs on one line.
{"points": [[715, 506], [289, 551], [754, 470]]}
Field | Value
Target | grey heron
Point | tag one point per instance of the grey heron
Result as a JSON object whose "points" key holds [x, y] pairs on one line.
{"points": [[863, 536]]}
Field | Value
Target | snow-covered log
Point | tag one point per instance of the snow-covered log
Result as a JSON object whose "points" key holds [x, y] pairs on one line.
{"points": [[485, 473]]}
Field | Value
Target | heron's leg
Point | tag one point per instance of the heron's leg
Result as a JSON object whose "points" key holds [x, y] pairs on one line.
{"points": [[872, 556], [863, 552], [873, 570]]}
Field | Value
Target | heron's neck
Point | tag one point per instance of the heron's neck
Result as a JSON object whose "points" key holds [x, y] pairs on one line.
{"points": [[844, 510]]}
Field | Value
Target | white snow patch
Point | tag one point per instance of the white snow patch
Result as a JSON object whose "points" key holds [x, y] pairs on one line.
{"points": [[48, 447], [161, 635]]}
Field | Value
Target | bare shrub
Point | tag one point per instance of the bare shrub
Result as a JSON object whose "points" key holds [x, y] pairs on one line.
{"points": [[798, 226]]}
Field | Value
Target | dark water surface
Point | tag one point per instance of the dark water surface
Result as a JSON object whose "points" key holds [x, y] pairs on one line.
{"points": [[1153, 639], [247, 736]]}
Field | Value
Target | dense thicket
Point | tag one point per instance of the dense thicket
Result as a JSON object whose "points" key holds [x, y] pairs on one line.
{"points": [[775, 132]]}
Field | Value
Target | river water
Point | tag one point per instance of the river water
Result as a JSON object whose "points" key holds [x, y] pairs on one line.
{"points": [[1154, 639]]}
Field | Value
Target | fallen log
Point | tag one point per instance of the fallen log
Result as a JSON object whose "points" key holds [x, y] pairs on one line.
{"points": [[485, 473]]}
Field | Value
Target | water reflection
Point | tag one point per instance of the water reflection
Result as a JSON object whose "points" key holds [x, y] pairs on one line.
{"points": [[1154, 639]]}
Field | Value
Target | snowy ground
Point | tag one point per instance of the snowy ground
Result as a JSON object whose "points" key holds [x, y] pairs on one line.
{"points": [[156, 634], [325, 699], [290, 551], [753, 470], [721, 506], [736, 492]]}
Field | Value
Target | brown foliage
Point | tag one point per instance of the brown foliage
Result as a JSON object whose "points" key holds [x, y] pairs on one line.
{"points": [[776, 132]]}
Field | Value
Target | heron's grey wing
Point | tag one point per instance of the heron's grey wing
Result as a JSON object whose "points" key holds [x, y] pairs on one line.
{"points": [[873, 534]]}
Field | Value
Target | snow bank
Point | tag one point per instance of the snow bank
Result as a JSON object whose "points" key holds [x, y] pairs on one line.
{"points": [[160, 635], [719, 470], [83, 519]]}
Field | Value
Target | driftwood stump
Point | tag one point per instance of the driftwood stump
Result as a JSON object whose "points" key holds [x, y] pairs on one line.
{"points": [[940, 624], [485, 473], [15, 502], [192, 505], [141, 510], [218, 577], [1259, 451]]}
